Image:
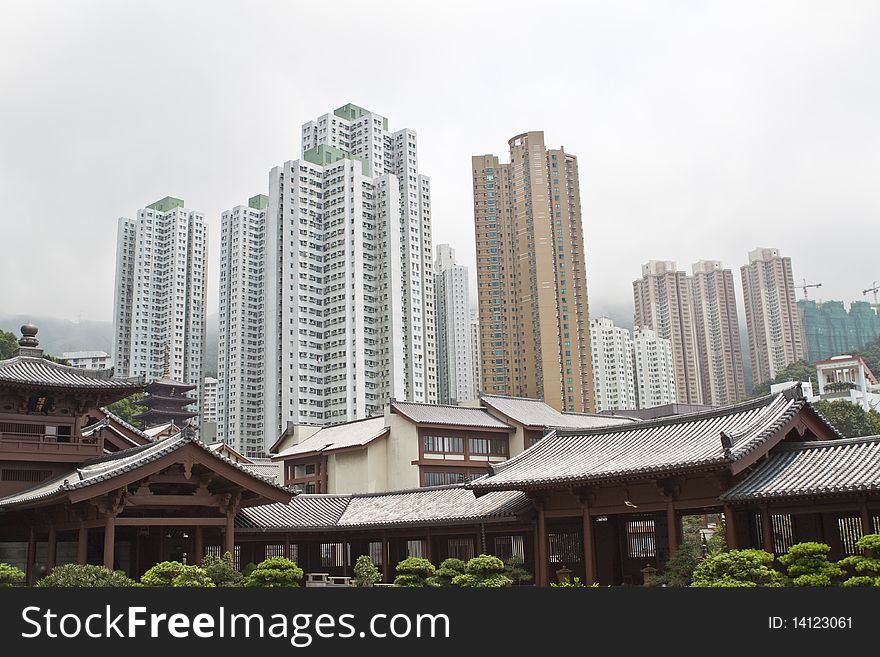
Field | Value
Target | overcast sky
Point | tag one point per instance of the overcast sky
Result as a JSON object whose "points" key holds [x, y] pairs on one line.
{"points": [[703, 129]]}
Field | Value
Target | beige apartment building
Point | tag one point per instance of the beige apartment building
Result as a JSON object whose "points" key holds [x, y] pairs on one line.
{"points": [[717, 330], [775, 337], [663, 303], [531, 276]]}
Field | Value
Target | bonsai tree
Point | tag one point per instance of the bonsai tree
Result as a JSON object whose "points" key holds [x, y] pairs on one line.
{"points": [[737, 568], [365, 572], [80, 576], [10, 575], [515, 569], [221, 571], [275, 572], [867, 568], [249, 567], [807, 565], [679, 568], [192, 577], [162, 574], [413, 571], [483, 571], [448, 570]]}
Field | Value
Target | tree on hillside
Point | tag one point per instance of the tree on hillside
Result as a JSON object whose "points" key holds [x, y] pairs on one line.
{"points": [[870, 353], [797, 371], [850, 419], [8, 344], [126, 410]]}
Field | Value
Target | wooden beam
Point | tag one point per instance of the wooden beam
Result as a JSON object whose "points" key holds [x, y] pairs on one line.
{"points": [[589, 553], [147, 501], [543, 568], [671, 528], [171, 522], [199, 545], [730, 526], [767, 531], [109, 540]]}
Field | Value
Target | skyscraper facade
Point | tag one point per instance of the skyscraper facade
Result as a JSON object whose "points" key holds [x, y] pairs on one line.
{"points": [[717, 330], [532, 287], [830, 330], [663, 304], [613, 373], [349, 286], [654, 369], [160, 293], [477, 374], [241, 327], [774, 329], [454, 353]]}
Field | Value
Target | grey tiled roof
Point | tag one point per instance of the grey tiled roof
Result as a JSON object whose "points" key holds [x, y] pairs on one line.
{"points": [[439, 505], [463, 416], [303, 512], [102, 468], [422, 506], [264, 468], [671, 444], [39, 372], [827, 467], [538, 414], [339, 436]]}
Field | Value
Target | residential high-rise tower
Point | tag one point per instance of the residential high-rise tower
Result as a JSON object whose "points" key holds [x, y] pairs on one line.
{"points": [[532, 286], [613, 368], [454, 353]]}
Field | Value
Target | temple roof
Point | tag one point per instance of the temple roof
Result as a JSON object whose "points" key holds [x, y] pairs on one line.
{"points": [[35, 372], [827, 467], [100, 469], [537, 414], [666, 445], [461, 416], [439, 505], [339, 436], [166, 384]]}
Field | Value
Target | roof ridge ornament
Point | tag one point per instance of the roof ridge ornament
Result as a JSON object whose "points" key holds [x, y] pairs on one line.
{"points": [[726, 443]]}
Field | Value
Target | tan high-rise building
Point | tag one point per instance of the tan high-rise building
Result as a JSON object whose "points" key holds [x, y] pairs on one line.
{"points": [[534, 329], [663, 303], [775, 337], [717, 330]]}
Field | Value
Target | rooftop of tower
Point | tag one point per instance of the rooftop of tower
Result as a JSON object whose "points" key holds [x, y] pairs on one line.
{"points": [[352, 112], [166, 204]]}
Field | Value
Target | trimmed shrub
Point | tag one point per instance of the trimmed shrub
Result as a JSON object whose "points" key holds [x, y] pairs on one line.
{"points": [[413, 572], [365, 572], [82, 576], [249, 567], [807, 565], [192, 577], [275, 572], [867, 568], [515, 569], [221, 571], [10, 575], [737, 568], [483, 571], [448, 570], [163, 573]]}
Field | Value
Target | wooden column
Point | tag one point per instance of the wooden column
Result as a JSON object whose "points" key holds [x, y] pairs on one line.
{"points": [[229, 535], [543, 568], [31, 555], [867, 520], [671, 527], [109, 540], [767, 531], [386, 557], [200, 545], [429, 547], [82, 545], [730, 526], [589, 558], [51, 549], [477, 549]]}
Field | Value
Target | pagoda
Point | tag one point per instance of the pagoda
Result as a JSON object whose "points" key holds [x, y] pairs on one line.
{"points": [[166, 400]]}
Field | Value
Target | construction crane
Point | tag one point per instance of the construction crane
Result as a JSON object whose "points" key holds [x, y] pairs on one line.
{"points": [[874, 289], [805, 285]]}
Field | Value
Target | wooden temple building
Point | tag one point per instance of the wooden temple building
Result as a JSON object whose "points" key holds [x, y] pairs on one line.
{"points": [[607, 502]]}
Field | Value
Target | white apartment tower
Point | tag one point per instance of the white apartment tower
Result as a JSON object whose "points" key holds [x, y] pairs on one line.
{"points": [[241, 327], [159, 301], [454, 349], [209, 400], [477, 372], [349, 291], [654, 369], [612, 352]]}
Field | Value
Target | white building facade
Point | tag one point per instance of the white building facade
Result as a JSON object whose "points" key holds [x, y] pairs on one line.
{"points": [[477, 372], [161, 280], [454, 332], [88, 360], [349, 292], [209, 400], [654, 369], [240, 350], [613, 373]]}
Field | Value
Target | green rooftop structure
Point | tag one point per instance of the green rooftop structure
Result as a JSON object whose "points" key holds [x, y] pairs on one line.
{"points": [[324, 155], [829, 330], [166, 204], [258, 202], [351, 112]]}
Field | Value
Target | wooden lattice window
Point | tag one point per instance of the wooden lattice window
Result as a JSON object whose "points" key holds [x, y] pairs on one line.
{"points": [[510, 547], [460, 548], [850, 530], [641, 540], [566, 547]]}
